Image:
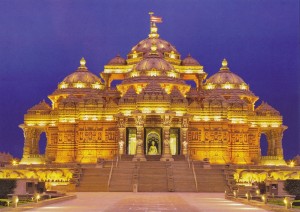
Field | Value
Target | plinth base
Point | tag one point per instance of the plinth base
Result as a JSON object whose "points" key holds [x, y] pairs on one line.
{"points": [[139, 158]]}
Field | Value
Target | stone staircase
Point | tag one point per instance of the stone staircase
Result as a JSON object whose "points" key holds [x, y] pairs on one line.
{"points": [[210, 179], [93, 179], [154, 175], [122, 176], [184, 180]]}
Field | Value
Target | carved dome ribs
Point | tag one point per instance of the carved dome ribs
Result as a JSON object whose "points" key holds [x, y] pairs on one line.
{"points": [[225, 76], [118, 60], [190, 61], [144, 46], [81, 78]]}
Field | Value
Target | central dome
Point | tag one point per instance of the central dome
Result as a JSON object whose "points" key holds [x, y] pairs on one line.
{"points": [[153, 62], [164, 48]]}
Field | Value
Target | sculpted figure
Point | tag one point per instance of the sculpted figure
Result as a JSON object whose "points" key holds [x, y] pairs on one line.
{"points": [[152, 149]]}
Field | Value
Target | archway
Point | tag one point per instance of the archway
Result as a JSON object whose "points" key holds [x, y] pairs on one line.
{"points": [[114, 83], [192, 83], [42, 143], [263, 145], [153, 141]]}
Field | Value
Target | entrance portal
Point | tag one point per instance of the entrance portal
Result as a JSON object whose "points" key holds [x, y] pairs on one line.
{"points": [[175, 141], [131, 141], [153, 141]]}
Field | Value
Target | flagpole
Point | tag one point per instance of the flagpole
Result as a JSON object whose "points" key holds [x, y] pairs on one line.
{"points": [[151, 13]]}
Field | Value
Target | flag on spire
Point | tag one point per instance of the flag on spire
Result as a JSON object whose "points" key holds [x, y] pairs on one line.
{"points": [[155, 19]]}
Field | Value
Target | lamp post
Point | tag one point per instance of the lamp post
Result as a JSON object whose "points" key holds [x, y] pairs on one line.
{"points": [[15, 200], [287, 202], [264, 198], [37, 197]]}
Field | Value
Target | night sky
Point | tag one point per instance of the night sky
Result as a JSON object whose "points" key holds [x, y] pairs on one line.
{"points": [[41, 42]]}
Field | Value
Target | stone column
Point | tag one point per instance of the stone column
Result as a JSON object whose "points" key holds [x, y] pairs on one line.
{"points": [[184, 128], [121, 142], [274, 138], [139, 155], [184, 141], [278, 151], [166, 156], [31, 142]]}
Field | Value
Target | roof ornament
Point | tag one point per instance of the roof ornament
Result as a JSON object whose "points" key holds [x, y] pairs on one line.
{"points": [[153, 48], [153, 28], [82, 63], [224, 65]]}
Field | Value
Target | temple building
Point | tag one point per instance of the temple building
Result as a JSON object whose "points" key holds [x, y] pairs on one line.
{"points": [[154, 110]]}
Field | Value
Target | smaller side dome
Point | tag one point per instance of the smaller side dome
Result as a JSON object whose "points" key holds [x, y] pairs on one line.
{"points": [[118, 60], [266, 110], [225, 79], [81, 78], [190, 61]]}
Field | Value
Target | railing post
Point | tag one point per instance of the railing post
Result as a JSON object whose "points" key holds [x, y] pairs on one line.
{"points": [[110, 173], [195, 178]]}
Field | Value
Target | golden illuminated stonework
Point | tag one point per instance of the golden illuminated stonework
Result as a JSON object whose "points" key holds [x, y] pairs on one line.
{"points": [[153, 111]]}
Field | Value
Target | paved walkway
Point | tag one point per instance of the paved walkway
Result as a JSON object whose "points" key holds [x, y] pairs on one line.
{"points": [[149, 202]]}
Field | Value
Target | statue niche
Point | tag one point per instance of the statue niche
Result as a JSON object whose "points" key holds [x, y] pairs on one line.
{"points": [[153, 143]]}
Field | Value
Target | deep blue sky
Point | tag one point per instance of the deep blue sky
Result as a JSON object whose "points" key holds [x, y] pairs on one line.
{"points": [[41, 42]]}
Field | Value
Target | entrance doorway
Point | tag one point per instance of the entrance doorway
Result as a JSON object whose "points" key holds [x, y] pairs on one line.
{"points": [[131, 141], [153, 142], [175, 141]]}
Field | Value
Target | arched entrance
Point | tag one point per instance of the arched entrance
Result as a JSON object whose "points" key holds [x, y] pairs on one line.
{"points": [[263, 145], [153, 144]]}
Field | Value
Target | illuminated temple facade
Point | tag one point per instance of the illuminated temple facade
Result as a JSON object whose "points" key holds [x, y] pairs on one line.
{"points": [[154, 110]]}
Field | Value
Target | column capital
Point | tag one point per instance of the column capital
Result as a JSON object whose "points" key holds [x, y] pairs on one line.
{"points": [[185, 122], [139, 120]]}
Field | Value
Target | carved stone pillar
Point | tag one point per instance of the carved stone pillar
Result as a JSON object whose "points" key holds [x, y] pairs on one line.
{"points": [[139, 155], [166, 156], [278, 151], [121, 142], [31, 144], [274, 138], [184, 128], [184, 141]]}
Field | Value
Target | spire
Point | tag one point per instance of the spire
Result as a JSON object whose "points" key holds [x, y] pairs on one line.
{"points": [[224, 65], [153, 27], [82, 64]]}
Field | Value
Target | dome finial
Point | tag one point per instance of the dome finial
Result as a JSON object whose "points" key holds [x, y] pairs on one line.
{"points": [[153, 27], [224, 65], [82, 63]]}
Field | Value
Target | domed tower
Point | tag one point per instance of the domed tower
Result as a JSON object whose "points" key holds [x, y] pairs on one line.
{"points": [[79, 83], [153, 72], [187, 69], [230, 85]]}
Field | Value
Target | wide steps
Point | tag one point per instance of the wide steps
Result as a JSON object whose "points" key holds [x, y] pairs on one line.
{"points": [[210, 179], [122, 176], [93, 180], [153, 176]]}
